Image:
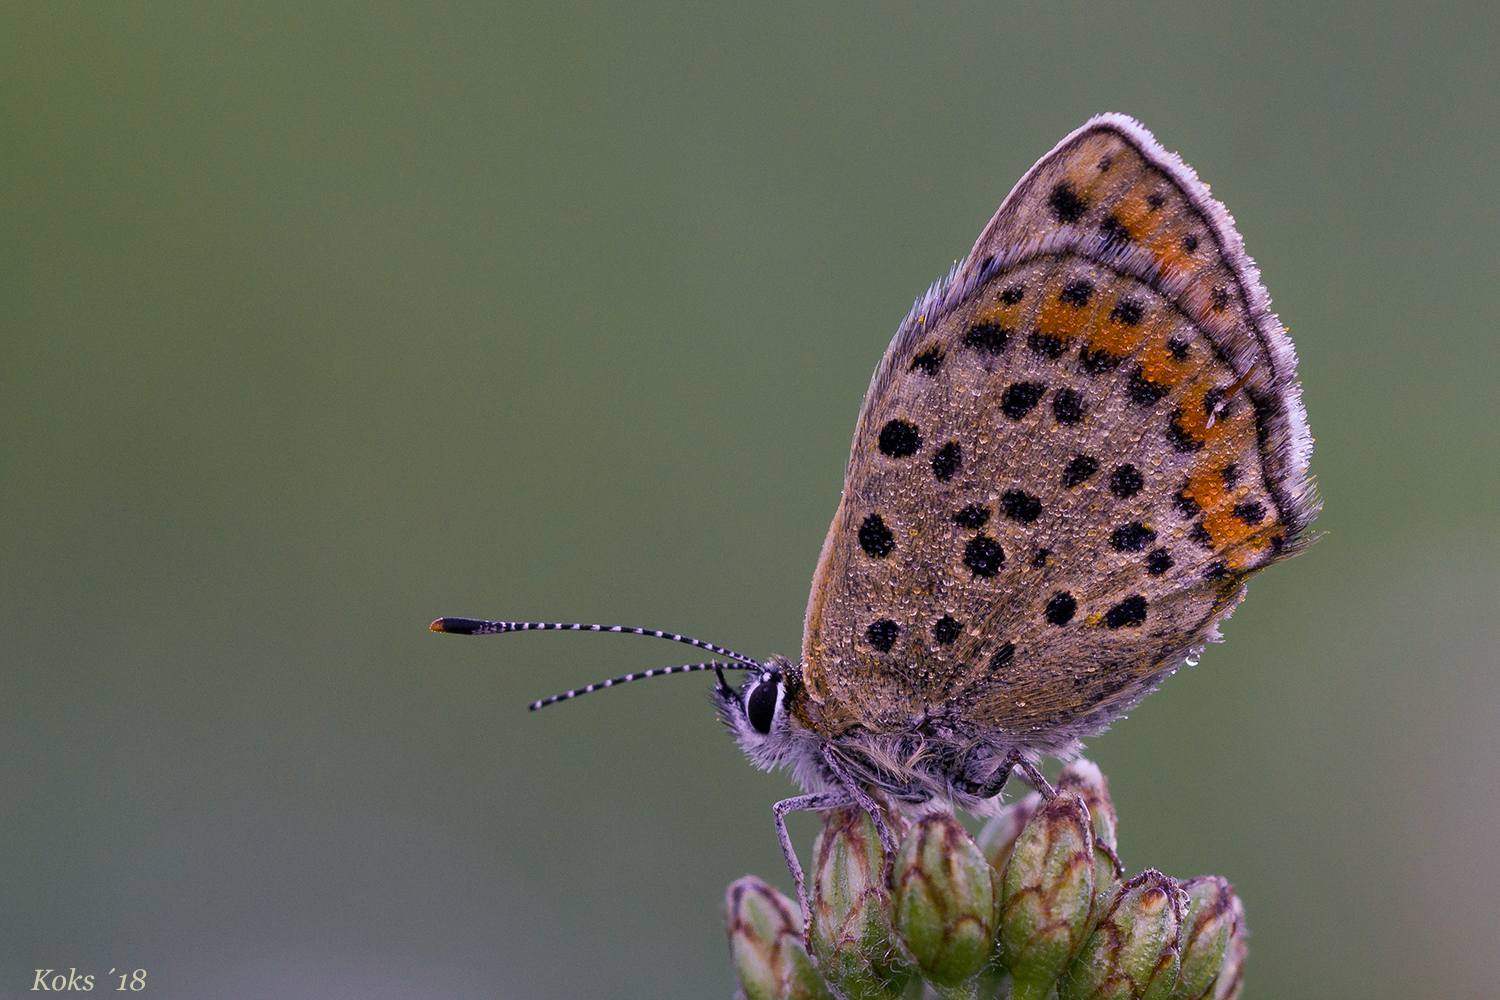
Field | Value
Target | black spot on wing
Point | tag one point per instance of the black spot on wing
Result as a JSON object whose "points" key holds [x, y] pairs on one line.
{"points": [[1061, 607], [972, 516], [928, 362], [1128, 613], [1126, 481], [1178, 435], [1113, 230], [983, 556], [882, 634], [987, 338], [946, 629], [1066, 203], [1097, 362], [1019, 398], [948, 460], [875, 538], [1076, 293], [1251, 512], [1127, 311], [899, 438], [1143, 392], [1132, 537], [1079, 470], [1046, 345], [1067, 406], [1021, 506]]}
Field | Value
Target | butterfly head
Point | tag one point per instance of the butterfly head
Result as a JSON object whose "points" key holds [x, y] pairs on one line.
{"points": [[763, 716]]}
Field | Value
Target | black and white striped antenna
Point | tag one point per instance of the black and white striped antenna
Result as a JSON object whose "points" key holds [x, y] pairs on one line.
{"points": [[478, 626]]}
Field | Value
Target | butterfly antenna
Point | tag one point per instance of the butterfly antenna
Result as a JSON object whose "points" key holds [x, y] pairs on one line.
{"points": [[686, 668], [477, 626]]}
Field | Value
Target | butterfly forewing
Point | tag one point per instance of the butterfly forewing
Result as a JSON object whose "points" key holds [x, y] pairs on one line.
{"points": [[1068, 461]]}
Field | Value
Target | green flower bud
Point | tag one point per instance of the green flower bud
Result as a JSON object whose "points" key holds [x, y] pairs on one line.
{"points": [[1042, 877], [765, 941], [1084, 778], [1048, 895], [1207, 923], [998, 836], [851, 927], [1133, 951], [1232, 973], [943, 901], [996, 841]]}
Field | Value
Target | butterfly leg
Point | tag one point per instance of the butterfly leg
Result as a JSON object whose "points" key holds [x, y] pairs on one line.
{"points": [[862, 798], [997, 782], [822, 800], [1036, 779]]}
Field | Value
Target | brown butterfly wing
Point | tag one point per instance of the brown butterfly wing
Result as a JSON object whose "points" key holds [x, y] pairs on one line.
{"points": [[1071, 456]]}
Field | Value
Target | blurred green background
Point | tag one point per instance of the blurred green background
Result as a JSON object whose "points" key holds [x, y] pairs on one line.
{"points": [[319, 322]]}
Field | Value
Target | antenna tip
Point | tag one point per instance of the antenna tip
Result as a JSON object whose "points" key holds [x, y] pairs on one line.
{"points": [[458, 626]]}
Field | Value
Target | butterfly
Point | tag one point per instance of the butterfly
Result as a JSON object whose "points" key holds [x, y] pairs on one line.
{"points": [[1077, 447]]}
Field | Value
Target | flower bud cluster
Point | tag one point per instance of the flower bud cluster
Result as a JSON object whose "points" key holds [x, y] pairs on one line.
{"points": [[1037, 907]]}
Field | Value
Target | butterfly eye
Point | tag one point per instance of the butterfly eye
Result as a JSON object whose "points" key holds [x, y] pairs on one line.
{"points": [[760, 707]]}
